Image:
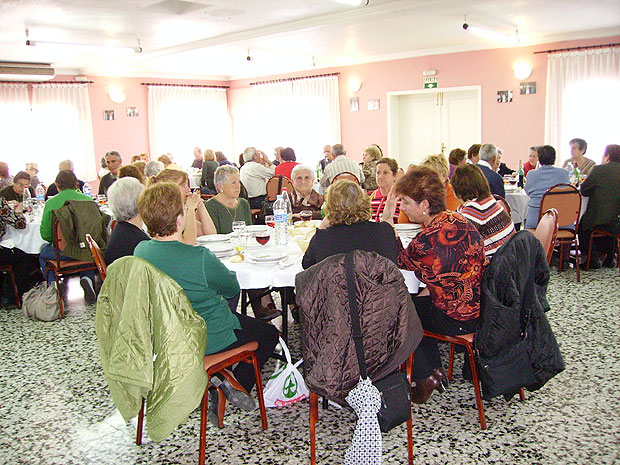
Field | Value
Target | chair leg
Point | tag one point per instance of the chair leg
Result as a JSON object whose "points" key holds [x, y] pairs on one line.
{"points": [[561, 256], [589, 252], [474, 372], [60, 302], [18, 301], [202, 444], [259, 391], [521, 395], [140, 424], [577, 258], [221, 407], [451, 362], [314, 416]]}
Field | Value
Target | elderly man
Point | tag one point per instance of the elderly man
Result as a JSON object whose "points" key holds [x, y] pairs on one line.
{"points": [[487, 163], [15, 192], [114, 161], [197, 163], [603, 188], [255, 172], [341, 164], [327, 157], [62, 166], [5, 178]]}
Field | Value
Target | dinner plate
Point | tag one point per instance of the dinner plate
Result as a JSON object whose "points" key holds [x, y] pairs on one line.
{"points": [[219, 247], [266, 256], [254, 228], [405, 227], [309, 223], [213, 238]]}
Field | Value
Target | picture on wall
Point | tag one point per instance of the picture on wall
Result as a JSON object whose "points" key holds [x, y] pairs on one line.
{"points": [[504, 96], [133, 111], [354, 103], [373, 104], [526, 88], [109, 115]]}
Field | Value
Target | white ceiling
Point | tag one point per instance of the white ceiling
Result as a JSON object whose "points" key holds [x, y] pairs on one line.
{"points": [[210, 39]]}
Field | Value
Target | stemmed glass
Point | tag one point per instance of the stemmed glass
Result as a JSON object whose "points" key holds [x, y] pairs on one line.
{"points": [[305, 215], [239, 234], [270, 221], [263, 236]]}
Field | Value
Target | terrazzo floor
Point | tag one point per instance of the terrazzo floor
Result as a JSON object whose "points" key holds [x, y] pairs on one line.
{"points": [[55, 407]]}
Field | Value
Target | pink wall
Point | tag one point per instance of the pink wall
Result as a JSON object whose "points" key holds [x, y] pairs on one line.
{"points": [[513, 126]]}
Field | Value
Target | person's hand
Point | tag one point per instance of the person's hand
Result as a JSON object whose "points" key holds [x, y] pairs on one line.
{"points": [[390, 207], [19, 207], [193, 201]]}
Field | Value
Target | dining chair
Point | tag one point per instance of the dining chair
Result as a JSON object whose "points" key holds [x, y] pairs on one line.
{"points": [[407, 367], [60, 267], [502, 202], [97, 256], [347, 176], [566, 200], [275, 185], [218, 363], [547, 231], [602, 233], [8, 269], [467, 341]]}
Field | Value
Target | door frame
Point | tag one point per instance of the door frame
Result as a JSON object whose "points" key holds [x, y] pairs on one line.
{"points": [[391, 95]]}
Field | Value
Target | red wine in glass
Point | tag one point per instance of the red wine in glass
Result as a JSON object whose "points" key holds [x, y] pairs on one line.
{"points": [[305, 215], [263, 239]]}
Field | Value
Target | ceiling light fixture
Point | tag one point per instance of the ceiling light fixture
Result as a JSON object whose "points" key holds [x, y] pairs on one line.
{"points": [[522, 70], [355, 84], [491, 34], [33, 43]]}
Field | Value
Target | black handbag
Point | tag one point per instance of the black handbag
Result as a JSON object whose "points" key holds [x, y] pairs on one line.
{"points": [[394, 388]]}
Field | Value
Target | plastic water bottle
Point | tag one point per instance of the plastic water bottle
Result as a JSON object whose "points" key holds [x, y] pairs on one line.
{"points": [[86, 190], [40, 193], [281, 220], [289, 207]]}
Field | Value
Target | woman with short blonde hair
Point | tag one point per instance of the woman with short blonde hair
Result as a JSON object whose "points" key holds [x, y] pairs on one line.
{"points": [[370, 157], [347, 226]]}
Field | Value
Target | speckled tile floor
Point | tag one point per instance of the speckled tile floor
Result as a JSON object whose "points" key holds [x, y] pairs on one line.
{"points": [[55, 407]]}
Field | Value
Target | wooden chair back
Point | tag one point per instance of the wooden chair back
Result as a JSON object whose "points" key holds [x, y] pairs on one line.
{"points": [[97, 256], [566, 200], [347, 176], [547, 231], [276, 184]]}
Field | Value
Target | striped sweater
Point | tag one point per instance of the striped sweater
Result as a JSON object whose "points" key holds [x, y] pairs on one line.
{"points": [[492, 222]]}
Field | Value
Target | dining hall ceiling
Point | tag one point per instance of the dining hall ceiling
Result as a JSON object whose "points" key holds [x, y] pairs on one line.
{"points": [[213, 39]]}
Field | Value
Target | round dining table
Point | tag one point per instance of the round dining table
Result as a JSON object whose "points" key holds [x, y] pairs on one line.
{"points": [[28, 240]]}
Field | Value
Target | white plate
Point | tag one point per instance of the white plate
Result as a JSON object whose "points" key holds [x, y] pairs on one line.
{"points": [[267, 256], [315, 222], [219, 247], [253, 228], [213, 238], [404, 227]]}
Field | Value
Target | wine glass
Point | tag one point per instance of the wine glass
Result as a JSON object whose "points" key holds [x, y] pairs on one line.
{"points": [[263, 236], [305, 215], [270, 221]]}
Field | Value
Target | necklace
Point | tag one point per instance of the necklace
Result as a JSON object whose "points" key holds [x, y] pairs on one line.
{"points": [[234, 217]]}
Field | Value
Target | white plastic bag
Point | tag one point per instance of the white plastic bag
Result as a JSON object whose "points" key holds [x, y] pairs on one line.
{"points": [[286, 386]]}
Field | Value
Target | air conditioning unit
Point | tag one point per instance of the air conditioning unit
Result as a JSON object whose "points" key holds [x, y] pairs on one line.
{"points": [[16, 71]]}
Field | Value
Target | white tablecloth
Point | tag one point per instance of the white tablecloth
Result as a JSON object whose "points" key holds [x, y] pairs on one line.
{"points": [[29, 240], [517, 199], [194, 180]]}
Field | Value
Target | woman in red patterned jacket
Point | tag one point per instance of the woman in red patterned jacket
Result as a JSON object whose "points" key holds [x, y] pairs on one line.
{"points": [[448, 256]]}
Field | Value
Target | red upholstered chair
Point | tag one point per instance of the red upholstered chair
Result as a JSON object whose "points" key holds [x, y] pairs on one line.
{"points": [[63, 267], [9, 270], [602, 233], [218, 363], [467, 341], [97, 256]]}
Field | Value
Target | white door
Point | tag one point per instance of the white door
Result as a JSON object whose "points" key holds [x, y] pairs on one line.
{"points": [[427, 122]]}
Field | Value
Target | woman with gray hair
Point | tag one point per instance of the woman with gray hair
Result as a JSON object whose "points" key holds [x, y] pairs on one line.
{"points": [[122, 198], [152, 168], [304, 197]]}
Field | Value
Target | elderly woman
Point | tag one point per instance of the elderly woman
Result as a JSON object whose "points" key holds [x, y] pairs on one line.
{"points": [[541, 179], [198, 222], [448, 256], [371, 155], [227, 207], [209, 165], [386, 172], [288, 163], [304, 197], [221, 158], [457, 157], [152, 168], [131, 171], [205, 280], [127, 234], [347, 227], [480, 207]]}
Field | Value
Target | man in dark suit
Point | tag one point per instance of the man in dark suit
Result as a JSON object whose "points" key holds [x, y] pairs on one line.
{"points": [[603, 189], [488, 164]]}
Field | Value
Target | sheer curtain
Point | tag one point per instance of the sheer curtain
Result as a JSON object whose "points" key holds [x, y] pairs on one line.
{"points": [[181, 118], [17, 132], [303, 114], [583, 97], [63, 129]]}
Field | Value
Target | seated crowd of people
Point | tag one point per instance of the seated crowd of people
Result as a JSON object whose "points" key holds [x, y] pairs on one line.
{"points": [[453, 199]]}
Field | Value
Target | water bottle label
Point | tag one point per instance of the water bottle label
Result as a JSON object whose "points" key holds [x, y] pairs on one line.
{"points": [[280, 217]]}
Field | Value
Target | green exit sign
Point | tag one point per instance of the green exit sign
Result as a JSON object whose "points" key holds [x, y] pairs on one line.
{"points": [[430, 82]]}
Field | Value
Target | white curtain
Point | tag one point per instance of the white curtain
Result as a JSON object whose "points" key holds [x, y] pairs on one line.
{"points": [[63, 127], [17, 132], [583, 97], [303, 114], [181, 118]]}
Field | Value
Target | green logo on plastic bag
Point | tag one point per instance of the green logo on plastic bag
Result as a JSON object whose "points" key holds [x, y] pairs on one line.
{"points": [[290, 386]]}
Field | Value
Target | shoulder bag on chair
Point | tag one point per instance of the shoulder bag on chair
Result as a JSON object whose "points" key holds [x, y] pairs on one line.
{"points": [[394, 388], [267, 208]]}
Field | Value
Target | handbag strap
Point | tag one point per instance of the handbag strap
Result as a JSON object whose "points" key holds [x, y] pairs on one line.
{"points": [[355, 317], [279, 184], [529, 287]]}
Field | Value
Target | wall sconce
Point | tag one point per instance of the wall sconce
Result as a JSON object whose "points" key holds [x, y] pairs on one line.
{"points": [[355, 84], [522, 70], [116, 94]]}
